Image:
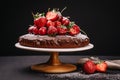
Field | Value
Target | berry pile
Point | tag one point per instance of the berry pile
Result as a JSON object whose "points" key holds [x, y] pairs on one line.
{"points": [[53, 23], [90, 67]]}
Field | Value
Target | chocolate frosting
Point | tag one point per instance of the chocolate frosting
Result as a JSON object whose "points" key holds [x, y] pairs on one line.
{"points": [[59, 41]]}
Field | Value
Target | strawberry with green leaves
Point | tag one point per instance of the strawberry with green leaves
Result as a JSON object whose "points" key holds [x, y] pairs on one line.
{"points": [[101, 66], [39, 20], [73, 29]]}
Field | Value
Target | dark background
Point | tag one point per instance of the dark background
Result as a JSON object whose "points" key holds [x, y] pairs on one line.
{"points": [[98, 18]]}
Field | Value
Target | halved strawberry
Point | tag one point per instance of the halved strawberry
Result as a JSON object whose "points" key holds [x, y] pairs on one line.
{"points": [[75, 29], [42, 31], [39, 20], [101, 66], [62, 30], [52, 31], [52, 15], [50, 23]]}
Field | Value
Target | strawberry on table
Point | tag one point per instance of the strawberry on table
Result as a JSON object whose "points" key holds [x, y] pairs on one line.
{"points": [[39, 20], [89, 67], [101, 66]]}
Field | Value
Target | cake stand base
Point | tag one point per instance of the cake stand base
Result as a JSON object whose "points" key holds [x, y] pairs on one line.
{"points": [[54, 65]]}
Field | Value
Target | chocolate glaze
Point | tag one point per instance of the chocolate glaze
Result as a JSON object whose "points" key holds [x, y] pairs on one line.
{"points": [[59, 41]]}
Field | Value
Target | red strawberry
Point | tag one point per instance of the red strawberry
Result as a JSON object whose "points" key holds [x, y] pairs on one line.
{"points": [[52, 31], [35, 30], [30, 29], [52, 15], [62, 30], [50, 23], [58, 23], [42, 31], [89, 67], [75, 29], [101, 67], [39, 20], [65, 21]]}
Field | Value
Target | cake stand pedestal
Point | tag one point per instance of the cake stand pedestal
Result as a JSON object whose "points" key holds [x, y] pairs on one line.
{"points": [[54, 65]]}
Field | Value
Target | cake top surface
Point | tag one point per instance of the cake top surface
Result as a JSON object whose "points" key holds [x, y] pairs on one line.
{"points": [[53, 23], [40, 37]]}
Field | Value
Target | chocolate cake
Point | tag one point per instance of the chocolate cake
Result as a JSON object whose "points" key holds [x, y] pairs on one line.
{"points": [[59, 41], [54, 30]]}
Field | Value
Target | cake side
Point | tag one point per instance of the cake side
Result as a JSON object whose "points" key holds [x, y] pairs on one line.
{"points": [[59, 41]]}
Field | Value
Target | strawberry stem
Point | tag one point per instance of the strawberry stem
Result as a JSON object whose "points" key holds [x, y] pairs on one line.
{"points": [[48, 9], [64, 9], [83, 32]]}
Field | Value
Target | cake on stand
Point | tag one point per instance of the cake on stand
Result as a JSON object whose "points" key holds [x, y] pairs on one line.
{"points": [[54, 65]]}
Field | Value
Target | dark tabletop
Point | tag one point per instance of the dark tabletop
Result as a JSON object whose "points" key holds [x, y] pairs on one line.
{"points": [[18, 68]]}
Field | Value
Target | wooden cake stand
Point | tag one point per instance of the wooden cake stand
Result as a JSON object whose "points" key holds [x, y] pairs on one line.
{"points": [[54, 65]]}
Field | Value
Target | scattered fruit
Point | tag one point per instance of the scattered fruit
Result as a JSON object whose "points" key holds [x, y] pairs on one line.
{"points": [[101, 66], [89, 67]]}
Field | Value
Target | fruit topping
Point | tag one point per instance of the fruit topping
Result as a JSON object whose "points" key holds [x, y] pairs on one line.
{"points": [[39, 20], [52, 31], [42, 31], [53, 23]]}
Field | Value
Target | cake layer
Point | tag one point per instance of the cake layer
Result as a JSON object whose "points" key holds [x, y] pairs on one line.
{"points": [[59, 41]]}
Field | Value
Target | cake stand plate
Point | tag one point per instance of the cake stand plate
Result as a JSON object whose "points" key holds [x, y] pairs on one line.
{"points": [[54, 65]]}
